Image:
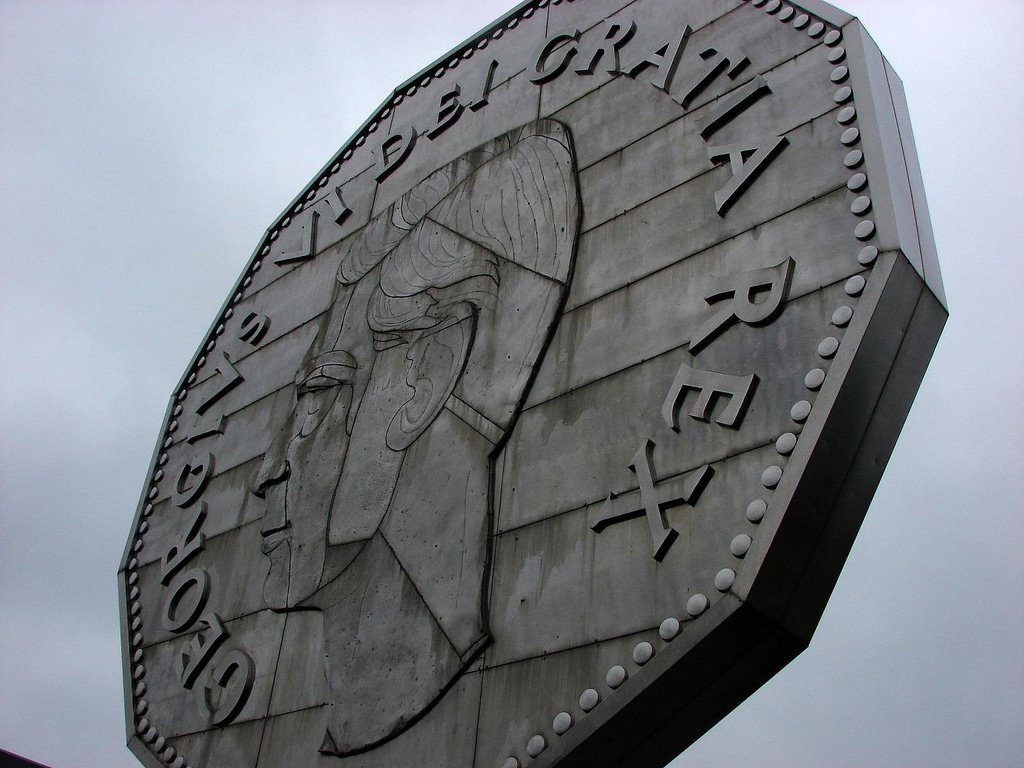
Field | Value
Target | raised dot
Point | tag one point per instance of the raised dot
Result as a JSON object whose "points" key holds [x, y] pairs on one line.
{"points": [[172, 426], [846, 115], [758, 3], [801, 409], [177, 410], [786, 14], [169, 753], [288, 219], [361, 138], [771, 476], [616, 676], [230, 313], [274, 235], [265, 250], [855, 285], [740, 545], [134, 595], [179, 762], [850, 136], [864, 230], [843, 94], [853, 158], [867, 255], [839, 74], [842, 316], [138, 545], [137, 656], [136, 608], [202, 360], [724, 579], [786, 443], [334, 169], [511, 763], [150, 735], [139, 672], [347, 154], [255, 268], [147, 510], [827, 347], [697, 604], [143, 526], [141, 707], [643, 652], [756, 510], [133, 579], [137, 623], [137, 638], [801, 21], [536, 745], [773, 6], [814, 378], [245, 284], [143, 725], [669, 628], [160, 743], [561, 723], [857, 182], [589, 699], [833, 37], [816, 29], [861, 205], [836, 55]]}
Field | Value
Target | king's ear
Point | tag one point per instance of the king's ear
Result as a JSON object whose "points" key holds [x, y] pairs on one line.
{"points": [[436, 362]]}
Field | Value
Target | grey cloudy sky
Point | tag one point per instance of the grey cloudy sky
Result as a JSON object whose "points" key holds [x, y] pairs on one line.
{"points": [[145, 146]]}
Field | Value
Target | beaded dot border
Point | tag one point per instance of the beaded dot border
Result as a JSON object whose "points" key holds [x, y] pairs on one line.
{"points": [[863, 232]]}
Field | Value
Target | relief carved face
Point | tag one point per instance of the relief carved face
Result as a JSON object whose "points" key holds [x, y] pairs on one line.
{"points": [[376, 485]]}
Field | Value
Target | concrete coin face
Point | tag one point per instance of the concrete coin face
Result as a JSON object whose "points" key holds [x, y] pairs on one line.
{"points": [[539, 425]]}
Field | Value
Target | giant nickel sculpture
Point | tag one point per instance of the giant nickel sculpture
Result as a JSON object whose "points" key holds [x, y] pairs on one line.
{"points": [[538, 427]]}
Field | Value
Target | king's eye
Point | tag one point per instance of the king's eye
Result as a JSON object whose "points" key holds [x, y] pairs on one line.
{"points": [[318, 384]]}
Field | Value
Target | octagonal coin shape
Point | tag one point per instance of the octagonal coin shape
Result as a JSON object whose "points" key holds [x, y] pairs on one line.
{"points": [[539, 425]]}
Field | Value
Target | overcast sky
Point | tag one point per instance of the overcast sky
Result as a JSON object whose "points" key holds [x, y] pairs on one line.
{"points": [[145, 146]]}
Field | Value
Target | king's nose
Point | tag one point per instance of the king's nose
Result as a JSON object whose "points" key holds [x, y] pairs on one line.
{"points": [[269, 474]]}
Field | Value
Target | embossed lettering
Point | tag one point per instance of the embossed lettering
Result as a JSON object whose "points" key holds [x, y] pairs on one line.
{"points": [[339, 208], [307, 243], [186, 600], [208, 426], [715, 63], [481, 99], [562, 43], [731, 105], [189, 545], [254, 328], [394, 151], [234, 676], [449, 110], [709, 384], [665, 58], [744, 288], [653, 500], [199, 649], [229, 378], [192, 481], [606, 47], [746, 160]]}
